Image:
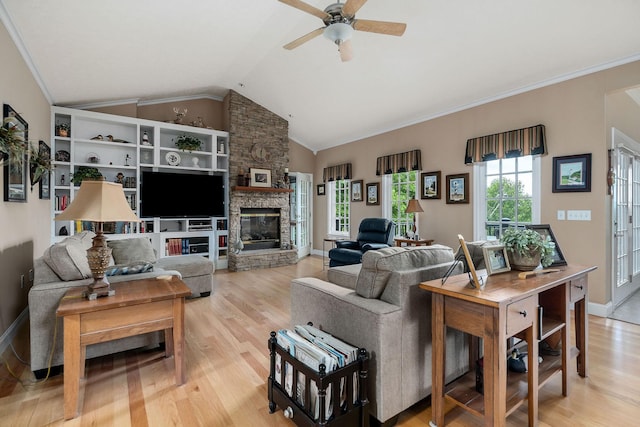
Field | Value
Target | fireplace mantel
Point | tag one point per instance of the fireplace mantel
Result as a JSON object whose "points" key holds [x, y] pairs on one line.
{"points": [[262, 189]]}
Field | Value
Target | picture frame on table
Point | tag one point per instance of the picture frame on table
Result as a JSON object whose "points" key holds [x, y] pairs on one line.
{"points": [[373, 193], [260, 177], [476, 280], [572, 174], [16, 171], [545, 231], [356, 191], [320, 190], [496, 259], [431, 183], [458, 188]]}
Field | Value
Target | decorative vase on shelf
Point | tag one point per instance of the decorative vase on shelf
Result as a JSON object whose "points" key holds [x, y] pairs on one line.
{"points": [[195, 162]]}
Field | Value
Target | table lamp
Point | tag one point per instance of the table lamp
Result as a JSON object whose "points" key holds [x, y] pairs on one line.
{"points": [[99, 201], [413, 207]]}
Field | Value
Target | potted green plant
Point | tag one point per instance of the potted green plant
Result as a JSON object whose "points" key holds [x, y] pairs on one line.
{"points": [[526, 248], [63, 129], [85, 172], [188, 143], [12, 146]]}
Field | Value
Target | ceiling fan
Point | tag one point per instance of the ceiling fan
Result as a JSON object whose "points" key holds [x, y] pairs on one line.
{"points": [[340, 22]]}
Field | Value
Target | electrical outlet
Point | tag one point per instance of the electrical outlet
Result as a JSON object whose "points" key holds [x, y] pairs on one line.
{"points": [[31, 275]]}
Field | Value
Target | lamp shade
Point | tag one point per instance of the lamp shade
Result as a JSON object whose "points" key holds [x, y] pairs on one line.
{"points": [[413, 206], [338, 32], [99, 201]]}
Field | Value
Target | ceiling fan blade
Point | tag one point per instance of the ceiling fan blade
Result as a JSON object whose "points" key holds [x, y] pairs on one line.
{"points": [[381, 27], [297, 42], [352, 6], [305, 7], [346, 51]]}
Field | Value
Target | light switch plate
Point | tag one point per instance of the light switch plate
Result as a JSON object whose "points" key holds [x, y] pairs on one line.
{"points": [[579, 215], [561, 216]]}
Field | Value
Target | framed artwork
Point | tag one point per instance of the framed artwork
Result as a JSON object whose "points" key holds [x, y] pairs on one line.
{"points": [[474, 280], [356, 191], [45, 186], [545, 231], [430, 185], [260, 177], [320, 189], [496, 259], [458, 188], [373, 193], [16, 172], [572, 174]]}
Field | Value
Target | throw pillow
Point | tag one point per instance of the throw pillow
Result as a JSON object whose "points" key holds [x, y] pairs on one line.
{"points": [[131, 251], [116, 270], [68, 258]]}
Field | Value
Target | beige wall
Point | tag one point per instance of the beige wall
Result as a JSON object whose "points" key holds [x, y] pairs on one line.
{"points": [[574, 115], [25, 226], [301, 159]]}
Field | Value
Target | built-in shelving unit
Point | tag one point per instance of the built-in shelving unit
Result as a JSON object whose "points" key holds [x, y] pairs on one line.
{"points": [[120, 148]]}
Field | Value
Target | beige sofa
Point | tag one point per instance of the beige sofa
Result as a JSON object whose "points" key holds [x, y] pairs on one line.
{"points": [[378, 305], [64, 265]]}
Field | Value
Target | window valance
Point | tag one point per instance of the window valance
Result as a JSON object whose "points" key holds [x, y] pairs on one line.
{"points": [[513, 143], [400, 162], [337, 172]]}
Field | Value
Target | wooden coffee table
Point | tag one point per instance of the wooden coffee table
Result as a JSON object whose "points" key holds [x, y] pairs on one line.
{"points": [[138, 307]]}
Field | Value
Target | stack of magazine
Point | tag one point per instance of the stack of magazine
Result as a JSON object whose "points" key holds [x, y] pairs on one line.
{"points": [[313, 347]]}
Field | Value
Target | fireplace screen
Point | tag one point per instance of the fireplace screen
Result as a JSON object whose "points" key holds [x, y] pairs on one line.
{"points": [[260, 228]]}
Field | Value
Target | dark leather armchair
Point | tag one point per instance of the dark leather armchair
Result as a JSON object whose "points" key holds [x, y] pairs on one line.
{"points": [[373, 233]]}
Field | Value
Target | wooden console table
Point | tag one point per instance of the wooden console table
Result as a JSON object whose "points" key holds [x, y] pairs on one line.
{"points": [[138, 307], [506, 306], [413, 242]]}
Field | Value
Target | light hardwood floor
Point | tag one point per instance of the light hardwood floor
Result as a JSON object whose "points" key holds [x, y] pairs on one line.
{"points": [[227, 367]]}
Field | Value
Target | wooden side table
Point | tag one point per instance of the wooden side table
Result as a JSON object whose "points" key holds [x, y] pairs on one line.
{"points": [[411, 242], [507, 305], [138, 307]]}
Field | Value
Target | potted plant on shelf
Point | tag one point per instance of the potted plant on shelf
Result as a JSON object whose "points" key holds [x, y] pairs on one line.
{"points": [[63, 129], [188, 143], [85, 172], [526, 248]]}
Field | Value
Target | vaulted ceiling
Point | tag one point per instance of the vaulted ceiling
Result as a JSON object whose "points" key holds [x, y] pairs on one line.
{"points": [[454, 54]]}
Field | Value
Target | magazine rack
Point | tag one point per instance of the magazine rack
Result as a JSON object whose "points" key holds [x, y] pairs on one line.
{"points": [[349, 414]]}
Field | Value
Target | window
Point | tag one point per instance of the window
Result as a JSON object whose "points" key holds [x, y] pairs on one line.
{"points": [[508, 194], [399, 188], [339, 207]]}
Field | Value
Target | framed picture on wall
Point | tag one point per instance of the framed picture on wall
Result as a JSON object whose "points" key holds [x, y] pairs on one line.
{"points": [[15, 171], [458, 188], [320, 189], [373, 193], [572, 173], [430, 185], [356, 191]]}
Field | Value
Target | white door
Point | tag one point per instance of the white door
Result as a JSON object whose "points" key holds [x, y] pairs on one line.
{"points": [[301, 224], [625, 217]]}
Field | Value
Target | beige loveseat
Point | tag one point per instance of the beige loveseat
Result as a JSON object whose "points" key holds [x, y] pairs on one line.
{"points": [[378, 305], [64, 265]]}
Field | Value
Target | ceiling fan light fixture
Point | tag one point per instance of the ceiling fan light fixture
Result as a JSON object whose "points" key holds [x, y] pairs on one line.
{"points": [[338, 32]]}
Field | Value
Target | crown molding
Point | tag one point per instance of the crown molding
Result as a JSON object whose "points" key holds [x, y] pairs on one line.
{"points": [[17, 40], [179, 98]]}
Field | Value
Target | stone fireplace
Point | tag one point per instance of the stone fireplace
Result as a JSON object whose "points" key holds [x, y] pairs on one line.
{"points": [[258, 138], [260, 228]]}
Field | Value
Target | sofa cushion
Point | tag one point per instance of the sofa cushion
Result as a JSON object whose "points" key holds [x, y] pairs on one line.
{"points": [[132, 251], [68, 258], [136, 268], [378, 265], [188, 266]]}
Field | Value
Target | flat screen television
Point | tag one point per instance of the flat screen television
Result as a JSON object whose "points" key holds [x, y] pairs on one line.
{"points": [[177, 195]]}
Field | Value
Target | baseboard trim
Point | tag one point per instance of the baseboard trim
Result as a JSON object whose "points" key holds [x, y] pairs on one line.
{"points": [[600, 310], [8, 336]]}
